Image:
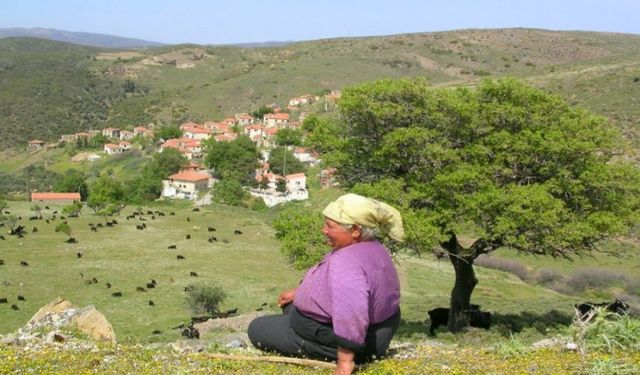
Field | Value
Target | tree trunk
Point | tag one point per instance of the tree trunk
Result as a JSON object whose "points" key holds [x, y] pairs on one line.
{"points": [[464, 284]]}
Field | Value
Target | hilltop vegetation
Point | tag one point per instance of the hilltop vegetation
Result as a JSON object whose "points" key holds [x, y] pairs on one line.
{"points": [[55, 88]]}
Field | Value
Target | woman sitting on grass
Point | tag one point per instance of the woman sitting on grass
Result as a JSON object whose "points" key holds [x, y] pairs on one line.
{"points": [[347, 307]]}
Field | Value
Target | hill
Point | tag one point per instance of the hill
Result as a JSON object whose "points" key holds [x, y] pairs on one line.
{"points": [[85, 39], [600, 71]]}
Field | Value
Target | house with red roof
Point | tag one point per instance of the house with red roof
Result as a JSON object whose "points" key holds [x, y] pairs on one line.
{"points": [[275, 119], [186, 185], [113, 148], [111, 132], [55, 198], [35, 144], [244, 119]]}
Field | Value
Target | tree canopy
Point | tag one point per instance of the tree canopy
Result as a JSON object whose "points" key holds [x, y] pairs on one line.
{"points": [[502, 165], [282, 161], [237, 159], [72, 181]]}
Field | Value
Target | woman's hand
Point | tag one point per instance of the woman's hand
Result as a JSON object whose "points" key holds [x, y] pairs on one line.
{"points": [[286, 297], [345, 364]]}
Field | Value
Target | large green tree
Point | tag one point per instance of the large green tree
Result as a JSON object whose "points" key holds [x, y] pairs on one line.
{"points": [[474, 170], [282, 162], [236, 160], [72, 181]]}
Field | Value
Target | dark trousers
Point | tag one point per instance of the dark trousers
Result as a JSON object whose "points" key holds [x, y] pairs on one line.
{"points": [[292, 334]]}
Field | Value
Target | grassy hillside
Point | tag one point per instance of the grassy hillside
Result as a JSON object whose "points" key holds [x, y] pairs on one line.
{"points": [[58, 88], [249, 268]]}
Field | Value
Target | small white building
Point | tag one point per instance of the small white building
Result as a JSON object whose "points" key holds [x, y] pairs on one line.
{"points": [[185, 185]]}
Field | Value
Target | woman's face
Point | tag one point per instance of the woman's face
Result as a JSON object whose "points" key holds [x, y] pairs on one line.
{"points": [[338, 236]]}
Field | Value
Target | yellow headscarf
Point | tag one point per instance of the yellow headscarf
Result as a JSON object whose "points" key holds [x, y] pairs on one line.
{"points": [[368, 212]]}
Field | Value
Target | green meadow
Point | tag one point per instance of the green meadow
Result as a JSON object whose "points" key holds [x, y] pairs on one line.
{"points": [[250, 269]]}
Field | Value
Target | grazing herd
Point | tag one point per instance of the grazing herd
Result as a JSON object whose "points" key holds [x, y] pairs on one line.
{"points": [[143, 220]]}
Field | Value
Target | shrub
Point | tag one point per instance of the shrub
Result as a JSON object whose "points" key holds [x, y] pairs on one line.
{"points": [[506, 265], [203, 298], [546, 276], [608, 332], [594, 278]]}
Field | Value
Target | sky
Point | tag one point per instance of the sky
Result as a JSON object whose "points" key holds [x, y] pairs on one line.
{"points": [[253, 21]]}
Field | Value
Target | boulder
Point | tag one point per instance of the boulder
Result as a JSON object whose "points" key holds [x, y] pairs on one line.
{"points": [[93, 323], [58, 305]]}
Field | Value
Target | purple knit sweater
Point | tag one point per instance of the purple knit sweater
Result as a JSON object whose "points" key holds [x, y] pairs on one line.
{"points": [[351, 288]]}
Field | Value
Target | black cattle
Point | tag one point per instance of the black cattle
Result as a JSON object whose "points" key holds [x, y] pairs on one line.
{"points": [[55, 212], [3, 300], [73, 215], [588, 309], [196, 209], [440, 317], [94, 280], [114, 222], [153, 217], [2, 238], [94, 229], [24, 264], [151, 285], [34, 230], [63, 218], [232, 311], [171, 247], [71, 240], [160, 213], [109, 224], [46, 207], [188, 237], [237, 231], [99, 225], [188, 219], [116, 294], [156, 332], [140, 289], [33, 218], [139, 227], [153, 282], [172, 214], [17, 231], [78, 255], [15, 307], [180, 257], [21, 298], [194, 274], [191, 332], [211, 229], [108, 285], [47, 221], [151, 303], [213, 239], [149, 212], [88, 282], [1, 262]]}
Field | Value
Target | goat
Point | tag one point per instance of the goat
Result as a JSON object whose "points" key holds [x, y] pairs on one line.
{"points": [[156, 332], [140, 289], [151, 303], [15, 307], [151, 285], [116, 294], [3, 300], [21, 298], [139, 227], [213, 239], [440, 316], [188, 237], [24, 264], [194, 274], [237, 231], [108, 285], [586, 310], [180, 257], [34, 230], [171, 247], [211, 229], [78, 255]]}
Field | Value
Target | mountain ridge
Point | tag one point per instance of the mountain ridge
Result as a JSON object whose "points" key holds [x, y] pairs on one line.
{"points": [[78, 37]]}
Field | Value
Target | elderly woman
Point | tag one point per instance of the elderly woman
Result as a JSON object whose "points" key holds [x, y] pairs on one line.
{"points": [[347, 307]]}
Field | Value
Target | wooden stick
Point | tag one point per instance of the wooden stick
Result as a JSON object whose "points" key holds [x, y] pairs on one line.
{"points": [[295, 361]]}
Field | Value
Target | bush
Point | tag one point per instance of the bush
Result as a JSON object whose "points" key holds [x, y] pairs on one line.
{"points": [[204, 299], [608, 332], [506, 265], [594, 278], [546, 276]]}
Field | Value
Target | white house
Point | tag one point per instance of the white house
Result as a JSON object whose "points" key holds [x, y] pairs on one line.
{"points": [[275, 119], [185, 185]]}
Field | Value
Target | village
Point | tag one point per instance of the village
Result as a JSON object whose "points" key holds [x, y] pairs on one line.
{"points": [[194, 180]]}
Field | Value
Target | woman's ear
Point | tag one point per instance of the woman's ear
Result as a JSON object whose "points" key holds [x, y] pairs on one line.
{"points": [[356, 232]]}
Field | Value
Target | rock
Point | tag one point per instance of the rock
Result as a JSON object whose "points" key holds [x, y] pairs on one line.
{"points": [[554, 342], [236, 344], [93, 323], [187, 346], [58, 305], [234, 323]]}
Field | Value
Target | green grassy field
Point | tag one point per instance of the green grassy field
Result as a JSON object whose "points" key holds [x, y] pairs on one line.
{"points": [[249, 268]]}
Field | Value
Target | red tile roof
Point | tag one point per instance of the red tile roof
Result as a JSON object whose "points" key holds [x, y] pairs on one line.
{"points": [[35, 141], [189, 176], [51, 196]]}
